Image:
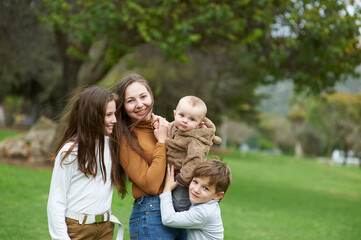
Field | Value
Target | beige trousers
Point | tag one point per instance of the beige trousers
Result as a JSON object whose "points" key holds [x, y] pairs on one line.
{"points": [[95, 231]]}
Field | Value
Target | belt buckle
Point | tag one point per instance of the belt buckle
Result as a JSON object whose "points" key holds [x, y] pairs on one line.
{"points": [[99, 218]]}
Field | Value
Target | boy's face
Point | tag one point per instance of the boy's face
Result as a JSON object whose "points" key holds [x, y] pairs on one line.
{"points": [[201, 192], [187, 118]]}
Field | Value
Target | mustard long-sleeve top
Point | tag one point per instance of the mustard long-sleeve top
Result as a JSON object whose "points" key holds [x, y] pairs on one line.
{"points": [[146, 174]]}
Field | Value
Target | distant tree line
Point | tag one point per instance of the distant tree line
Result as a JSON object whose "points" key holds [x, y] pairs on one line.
{"points": [[219, 50]]}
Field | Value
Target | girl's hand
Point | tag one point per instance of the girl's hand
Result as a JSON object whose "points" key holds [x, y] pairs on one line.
{"points": [[161, 131], [170, 183]]}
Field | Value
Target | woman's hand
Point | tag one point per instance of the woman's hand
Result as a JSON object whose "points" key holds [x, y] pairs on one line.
{"points": [[170, 183], [161, 131]]}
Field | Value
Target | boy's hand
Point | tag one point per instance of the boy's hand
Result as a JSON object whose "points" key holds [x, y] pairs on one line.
{"points": [[170, 183]]}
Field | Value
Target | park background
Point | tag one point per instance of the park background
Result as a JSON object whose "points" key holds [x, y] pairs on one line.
{"points": [[281, 80]]}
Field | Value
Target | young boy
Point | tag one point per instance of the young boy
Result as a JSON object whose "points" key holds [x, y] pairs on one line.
{"points": [[209, 184], [189, 140]]}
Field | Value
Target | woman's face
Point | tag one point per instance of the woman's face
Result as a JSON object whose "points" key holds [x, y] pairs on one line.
{"points": [[138, 102], [109, 119]]}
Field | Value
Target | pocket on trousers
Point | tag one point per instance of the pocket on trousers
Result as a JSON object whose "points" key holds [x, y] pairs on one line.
{"points": [[133, 228], [73, 226]]}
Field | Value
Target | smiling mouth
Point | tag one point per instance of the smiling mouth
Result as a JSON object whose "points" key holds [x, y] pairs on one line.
{"points": [[141, 112], [194, 196]]}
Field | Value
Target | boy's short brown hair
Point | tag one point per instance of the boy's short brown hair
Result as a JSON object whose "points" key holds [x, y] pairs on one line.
{"points": [[218, 172]]}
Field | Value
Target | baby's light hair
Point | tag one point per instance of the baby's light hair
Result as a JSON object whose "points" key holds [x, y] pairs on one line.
{"points": [[194, 102]]}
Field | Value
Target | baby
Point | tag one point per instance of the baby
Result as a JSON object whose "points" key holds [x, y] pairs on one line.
{"points": [[189, 140]]}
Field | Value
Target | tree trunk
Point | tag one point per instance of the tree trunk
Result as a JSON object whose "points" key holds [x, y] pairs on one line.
{"points": [[93, 71], [298, 149], [224, 129], [8, 114], [345, 158], [70, 65]]}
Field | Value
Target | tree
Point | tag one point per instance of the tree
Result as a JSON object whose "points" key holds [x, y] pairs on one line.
{"points": [[28, 63], [334, 116], [279, 130], [313, 43], [216, 76]]}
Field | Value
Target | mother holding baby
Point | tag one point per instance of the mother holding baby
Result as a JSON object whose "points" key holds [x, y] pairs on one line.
{"points": [[139, 150]]}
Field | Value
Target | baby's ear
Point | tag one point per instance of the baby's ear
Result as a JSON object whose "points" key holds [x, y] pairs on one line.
{"points": [[219, 196]]}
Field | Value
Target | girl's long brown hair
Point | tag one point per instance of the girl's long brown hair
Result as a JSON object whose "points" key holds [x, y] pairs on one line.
{"points": [[85, 128], [124, 127]]}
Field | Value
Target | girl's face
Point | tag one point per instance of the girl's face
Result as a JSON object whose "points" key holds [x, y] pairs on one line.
{"points": [[109, 119], [138, 102]]}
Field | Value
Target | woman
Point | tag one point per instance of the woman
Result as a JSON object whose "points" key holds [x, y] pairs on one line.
{"points": [[81, 190], [141, 153]]}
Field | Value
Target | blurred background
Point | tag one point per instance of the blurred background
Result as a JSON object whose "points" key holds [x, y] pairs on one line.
{"points": [[281, 77]]}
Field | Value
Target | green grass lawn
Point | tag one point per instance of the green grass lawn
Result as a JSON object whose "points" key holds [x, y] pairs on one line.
{"points": [[271, 197], [4, 133]]}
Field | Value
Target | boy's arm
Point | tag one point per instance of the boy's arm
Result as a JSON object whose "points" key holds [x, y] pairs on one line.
{"points": [[194, 218], [170, 183], [171, 218]]}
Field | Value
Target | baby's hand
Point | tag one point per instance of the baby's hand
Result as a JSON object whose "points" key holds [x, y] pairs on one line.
{"points": [[156, 119], [170, 183], [155, 124], [161, 131]]}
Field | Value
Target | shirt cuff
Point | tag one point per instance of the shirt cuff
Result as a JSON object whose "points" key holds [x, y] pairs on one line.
{"points": [[165, 194]]}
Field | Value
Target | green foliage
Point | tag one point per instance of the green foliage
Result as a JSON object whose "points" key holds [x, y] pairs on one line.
{"points": [[266, 194], [311, 42], [266, 144], [28, 63], [279, 130], [215, 76], [332, 118], [320, 44]]}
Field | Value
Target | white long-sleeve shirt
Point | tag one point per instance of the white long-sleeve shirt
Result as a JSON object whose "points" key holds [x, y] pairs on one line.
{"points": [[71, 190], [202, 221]]}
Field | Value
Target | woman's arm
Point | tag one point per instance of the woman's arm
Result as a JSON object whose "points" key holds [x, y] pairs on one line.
{"points": [[59, 186], [146, 175]]}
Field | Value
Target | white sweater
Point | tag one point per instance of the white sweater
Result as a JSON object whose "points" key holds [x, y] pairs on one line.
{"points": [[71, 190]]}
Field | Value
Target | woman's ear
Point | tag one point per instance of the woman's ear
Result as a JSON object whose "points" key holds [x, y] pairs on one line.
{"points": [[219, 196]]}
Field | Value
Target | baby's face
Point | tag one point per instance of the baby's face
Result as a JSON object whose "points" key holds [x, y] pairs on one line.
{"points": [[187, 118]]}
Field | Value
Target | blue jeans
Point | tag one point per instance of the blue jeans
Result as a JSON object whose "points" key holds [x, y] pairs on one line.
{"points": [[145, 222]]}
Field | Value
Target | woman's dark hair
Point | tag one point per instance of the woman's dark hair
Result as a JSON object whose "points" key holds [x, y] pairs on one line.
{"points": [[85, 128], [124, 128]]}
